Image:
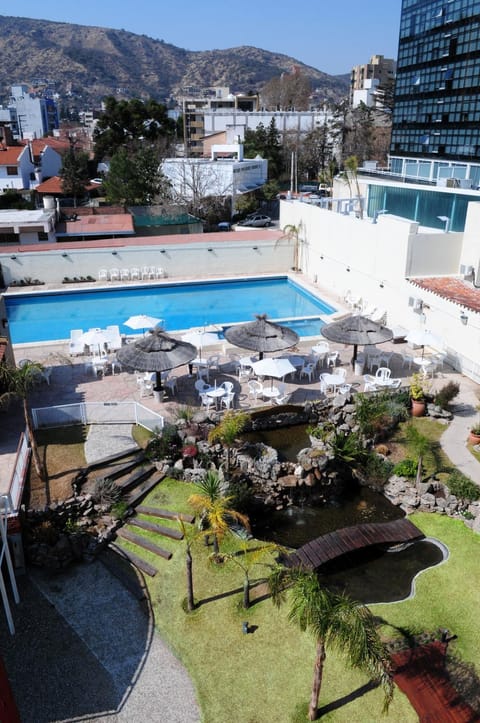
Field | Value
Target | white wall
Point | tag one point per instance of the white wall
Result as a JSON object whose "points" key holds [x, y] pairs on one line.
{"points": [[342, 253], [179, 260]]}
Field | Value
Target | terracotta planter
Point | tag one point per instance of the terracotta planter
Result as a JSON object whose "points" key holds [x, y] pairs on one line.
{"points": [[473, 438], [418, 407]]}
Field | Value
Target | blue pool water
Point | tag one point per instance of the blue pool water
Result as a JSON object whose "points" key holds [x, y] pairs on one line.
{"points": [[50, 316]]}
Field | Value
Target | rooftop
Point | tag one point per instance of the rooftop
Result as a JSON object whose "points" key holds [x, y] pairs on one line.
{"points": [[459, 291]]}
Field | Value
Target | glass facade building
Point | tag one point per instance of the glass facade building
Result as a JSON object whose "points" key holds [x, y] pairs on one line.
{"points": [[436, 117]]}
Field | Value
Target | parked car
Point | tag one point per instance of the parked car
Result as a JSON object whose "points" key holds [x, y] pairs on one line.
{"points": [[257, 219]]}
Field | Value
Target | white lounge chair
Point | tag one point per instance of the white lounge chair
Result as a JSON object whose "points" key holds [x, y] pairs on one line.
{"points": [[114, 338], [379, 316], [76, 348]]}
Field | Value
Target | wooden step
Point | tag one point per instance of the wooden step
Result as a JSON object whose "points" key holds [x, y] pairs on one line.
{"points": [[143, 542], [112, 458], [159, 529], [166, 514], [123, 469], [137, 478], [137, 495], [135, 560]]}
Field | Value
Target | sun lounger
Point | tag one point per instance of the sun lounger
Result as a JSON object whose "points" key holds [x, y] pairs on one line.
{"points": [[76, 348]]}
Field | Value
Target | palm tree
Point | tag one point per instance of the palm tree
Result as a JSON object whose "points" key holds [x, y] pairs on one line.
{"points": [[421, 447], [292, 232], [214, 508], [227, 431], [246, 558], [189, 535], [16, 382], [335, 621], [351, 177]]}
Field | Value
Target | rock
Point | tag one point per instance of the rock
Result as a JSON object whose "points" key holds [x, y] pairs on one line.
{"points": [[289, 480], [428, 500]]}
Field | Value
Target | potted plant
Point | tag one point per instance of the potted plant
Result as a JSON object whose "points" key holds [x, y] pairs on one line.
{"points": [[419, 388], [474, 435]]}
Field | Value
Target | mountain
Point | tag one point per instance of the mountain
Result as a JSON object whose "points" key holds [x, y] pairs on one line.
{"points": [[87, 63]]}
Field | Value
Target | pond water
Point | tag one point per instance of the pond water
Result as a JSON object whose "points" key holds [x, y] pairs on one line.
{"points": [[371, 575]]}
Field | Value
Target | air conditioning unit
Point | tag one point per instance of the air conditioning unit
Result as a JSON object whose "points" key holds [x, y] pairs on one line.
{"points": [[466, 271], [416, 304]]}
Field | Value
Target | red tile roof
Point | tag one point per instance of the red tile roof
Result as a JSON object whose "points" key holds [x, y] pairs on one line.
{"points": [[453, 289], [10, 156], [53, 186]]}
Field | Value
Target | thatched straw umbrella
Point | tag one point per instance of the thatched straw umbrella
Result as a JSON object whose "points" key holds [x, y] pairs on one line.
{"points": [[262, 336], [356, 330], [156, 352]]}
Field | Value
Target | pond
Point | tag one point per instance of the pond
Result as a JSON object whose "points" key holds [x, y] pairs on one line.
{"points": [[371, 575]]}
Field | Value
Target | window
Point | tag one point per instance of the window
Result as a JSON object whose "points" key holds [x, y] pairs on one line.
{"points": [[12, 171], [42, 236]]}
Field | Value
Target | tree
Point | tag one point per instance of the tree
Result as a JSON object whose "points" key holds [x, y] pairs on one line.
{"points": [[74, 172], [189, 535], [335, 621], [246, 558], [289, 91], [135, 176], [16, 382], [292, 232], [214, 507], [125, 122], [421, 447], [227, 431], [265, 142], [350, 175]]}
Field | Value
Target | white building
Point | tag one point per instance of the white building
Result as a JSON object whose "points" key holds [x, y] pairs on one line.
{"points": [[225, 173], [32, 116], [27, 227], [285, 121], [16, 168]]}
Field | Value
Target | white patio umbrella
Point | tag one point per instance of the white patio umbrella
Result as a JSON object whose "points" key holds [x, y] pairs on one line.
{"points": [[423, 338], [200, 339], [142, 321], [277, 367], [94, 338]]}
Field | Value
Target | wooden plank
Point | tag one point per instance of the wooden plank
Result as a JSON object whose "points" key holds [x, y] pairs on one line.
{"points": [[105, 461], [166, 514], [159, 529], [136, 479], [143, 542], [135, 560], [348, 539], [137, 495]]}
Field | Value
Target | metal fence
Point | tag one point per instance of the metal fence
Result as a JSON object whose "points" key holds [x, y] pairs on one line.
{"points": [[17, 480], [97, 413]]}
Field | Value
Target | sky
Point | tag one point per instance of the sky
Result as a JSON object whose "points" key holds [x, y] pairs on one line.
{"points": [[330, 36]]}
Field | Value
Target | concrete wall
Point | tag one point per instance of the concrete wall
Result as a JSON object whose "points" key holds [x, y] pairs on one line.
{"points": [[378, 262], [179, 260]]}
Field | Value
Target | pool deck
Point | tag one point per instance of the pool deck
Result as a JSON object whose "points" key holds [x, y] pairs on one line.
{"points": [[72, 382]]}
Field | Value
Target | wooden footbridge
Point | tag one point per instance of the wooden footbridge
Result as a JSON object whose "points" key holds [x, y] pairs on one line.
{"points": [[349, 539]]}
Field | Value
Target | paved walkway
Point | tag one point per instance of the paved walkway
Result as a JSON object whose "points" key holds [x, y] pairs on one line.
{"points": [[85, 648]]}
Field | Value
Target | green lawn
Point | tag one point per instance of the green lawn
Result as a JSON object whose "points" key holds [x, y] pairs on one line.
{"points": [[265, 677]]}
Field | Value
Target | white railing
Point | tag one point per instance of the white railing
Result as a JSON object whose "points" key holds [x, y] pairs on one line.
{"points": [[96, 413], [19, 474]]}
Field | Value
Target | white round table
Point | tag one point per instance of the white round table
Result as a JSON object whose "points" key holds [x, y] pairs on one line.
{"points": [[215, 393], [271, 392], [424, 363]]}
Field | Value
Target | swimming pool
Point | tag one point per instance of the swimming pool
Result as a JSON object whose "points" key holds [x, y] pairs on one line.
{"points": [[49, 316]]}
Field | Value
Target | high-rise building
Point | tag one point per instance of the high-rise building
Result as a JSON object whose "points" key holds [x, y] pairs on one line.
{"points": [[436, 117], [368, 79]]}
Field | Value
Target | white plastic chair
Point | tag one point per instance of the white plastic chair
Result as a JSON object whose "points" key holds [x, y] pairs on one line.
{"points": [[203, 371], [341, 372], [307, 370], [146, 388], [255, 389], [171, 384], [332, 358], [383, 373], [102, 275], [135, 273], [228, 386], [160, 273], [369, 383], [114, 274], [344, 388], [124, 274], [206, 401], [201, 386], [76, 348], [227, 400]]}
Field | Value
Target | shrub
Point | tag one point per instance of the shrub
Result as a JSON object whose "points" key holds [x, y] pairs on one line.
{"points": [[165, 443], [376, 413], [462, 487], [185, 413], [119, 509], [406, 468], [445, 395], [106, 491], [377, 469]]}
